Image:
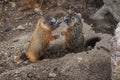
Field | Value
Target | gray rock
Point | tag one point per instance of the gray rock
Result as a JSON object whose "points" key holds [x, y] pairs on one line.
{"points": [[20, 27], [114, 7], [115, 58], [52, 75], [13, 4]]}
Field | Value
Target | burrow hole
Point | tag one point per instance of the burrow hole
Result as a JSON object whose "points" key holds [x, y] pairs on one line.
{"points": [[91, 43]]}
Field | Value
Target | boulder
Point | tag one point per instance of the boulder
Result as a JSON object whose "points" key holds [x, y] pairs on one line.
{"points": [[114, 7]]}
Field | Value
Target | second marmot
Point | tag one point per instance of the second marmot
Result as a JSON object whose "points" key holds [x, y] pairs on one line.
{"points": [[74, 39]]}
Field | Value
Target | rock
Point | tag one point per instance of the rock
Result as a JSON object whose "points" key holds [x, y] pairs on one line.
{"points": [[16, 58], [114, 7], [26, 62], [38, 10], [79, 59], [115, 58], [52, 75], [100, 14], [13, 4], [20, 27]]}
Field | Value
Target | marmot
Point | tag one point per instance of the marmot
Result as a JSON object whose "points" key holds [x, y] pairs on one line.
{"points": [[74, 39], [41, 38]]}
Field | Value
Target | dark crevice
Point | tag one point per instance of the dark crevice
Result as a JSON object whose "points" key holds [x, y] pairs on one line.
{"points": [[92, 42]]}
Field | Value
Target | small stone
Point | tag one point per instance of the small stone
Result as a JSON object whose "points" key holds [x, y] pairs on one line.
{"points": [[16, 58], [38, 10], [13, 4], [118, 63], [26, 62], [52, 74], [79, 59], [5, 9], [20, 61], [89, 47], [1, 31], [20, 27], [30, 23]]}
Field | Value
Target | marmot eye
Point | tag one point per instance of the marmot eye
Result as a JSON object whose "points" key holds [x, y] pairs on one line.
{"points": [[72, 18], [66, 21], [52, 23]]}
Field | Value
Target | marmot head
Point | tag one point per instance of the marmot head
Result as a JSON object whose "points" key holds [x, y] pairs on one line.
{"points": [[72, 19], [51, 22]]}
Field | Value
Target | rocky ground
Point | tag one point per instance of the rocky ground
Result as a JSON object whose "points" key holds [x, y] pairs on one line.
{"points": [[16, 26]]}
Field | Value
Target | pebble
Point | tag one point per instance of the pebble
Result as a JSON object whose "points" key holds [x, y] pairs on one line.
{"points": [[16, 58], [52, 74], [18, 62], [13, 5], [38, 10], [89, 47], [20, 27], [26, 62], [79, 59]]}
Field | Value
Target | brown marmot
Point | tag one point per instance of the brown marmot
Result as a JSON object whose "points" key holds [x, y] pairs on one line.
{"points": [[41, 37]]}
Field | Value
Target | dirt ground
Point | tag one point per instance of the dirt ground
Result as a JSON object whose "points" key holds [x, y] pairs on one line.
{"points": [[17, 25]]}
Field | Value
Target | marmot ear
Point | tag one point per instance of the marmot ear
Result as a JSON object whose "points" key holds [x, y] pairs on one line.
{"points": [[80, 17]]}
